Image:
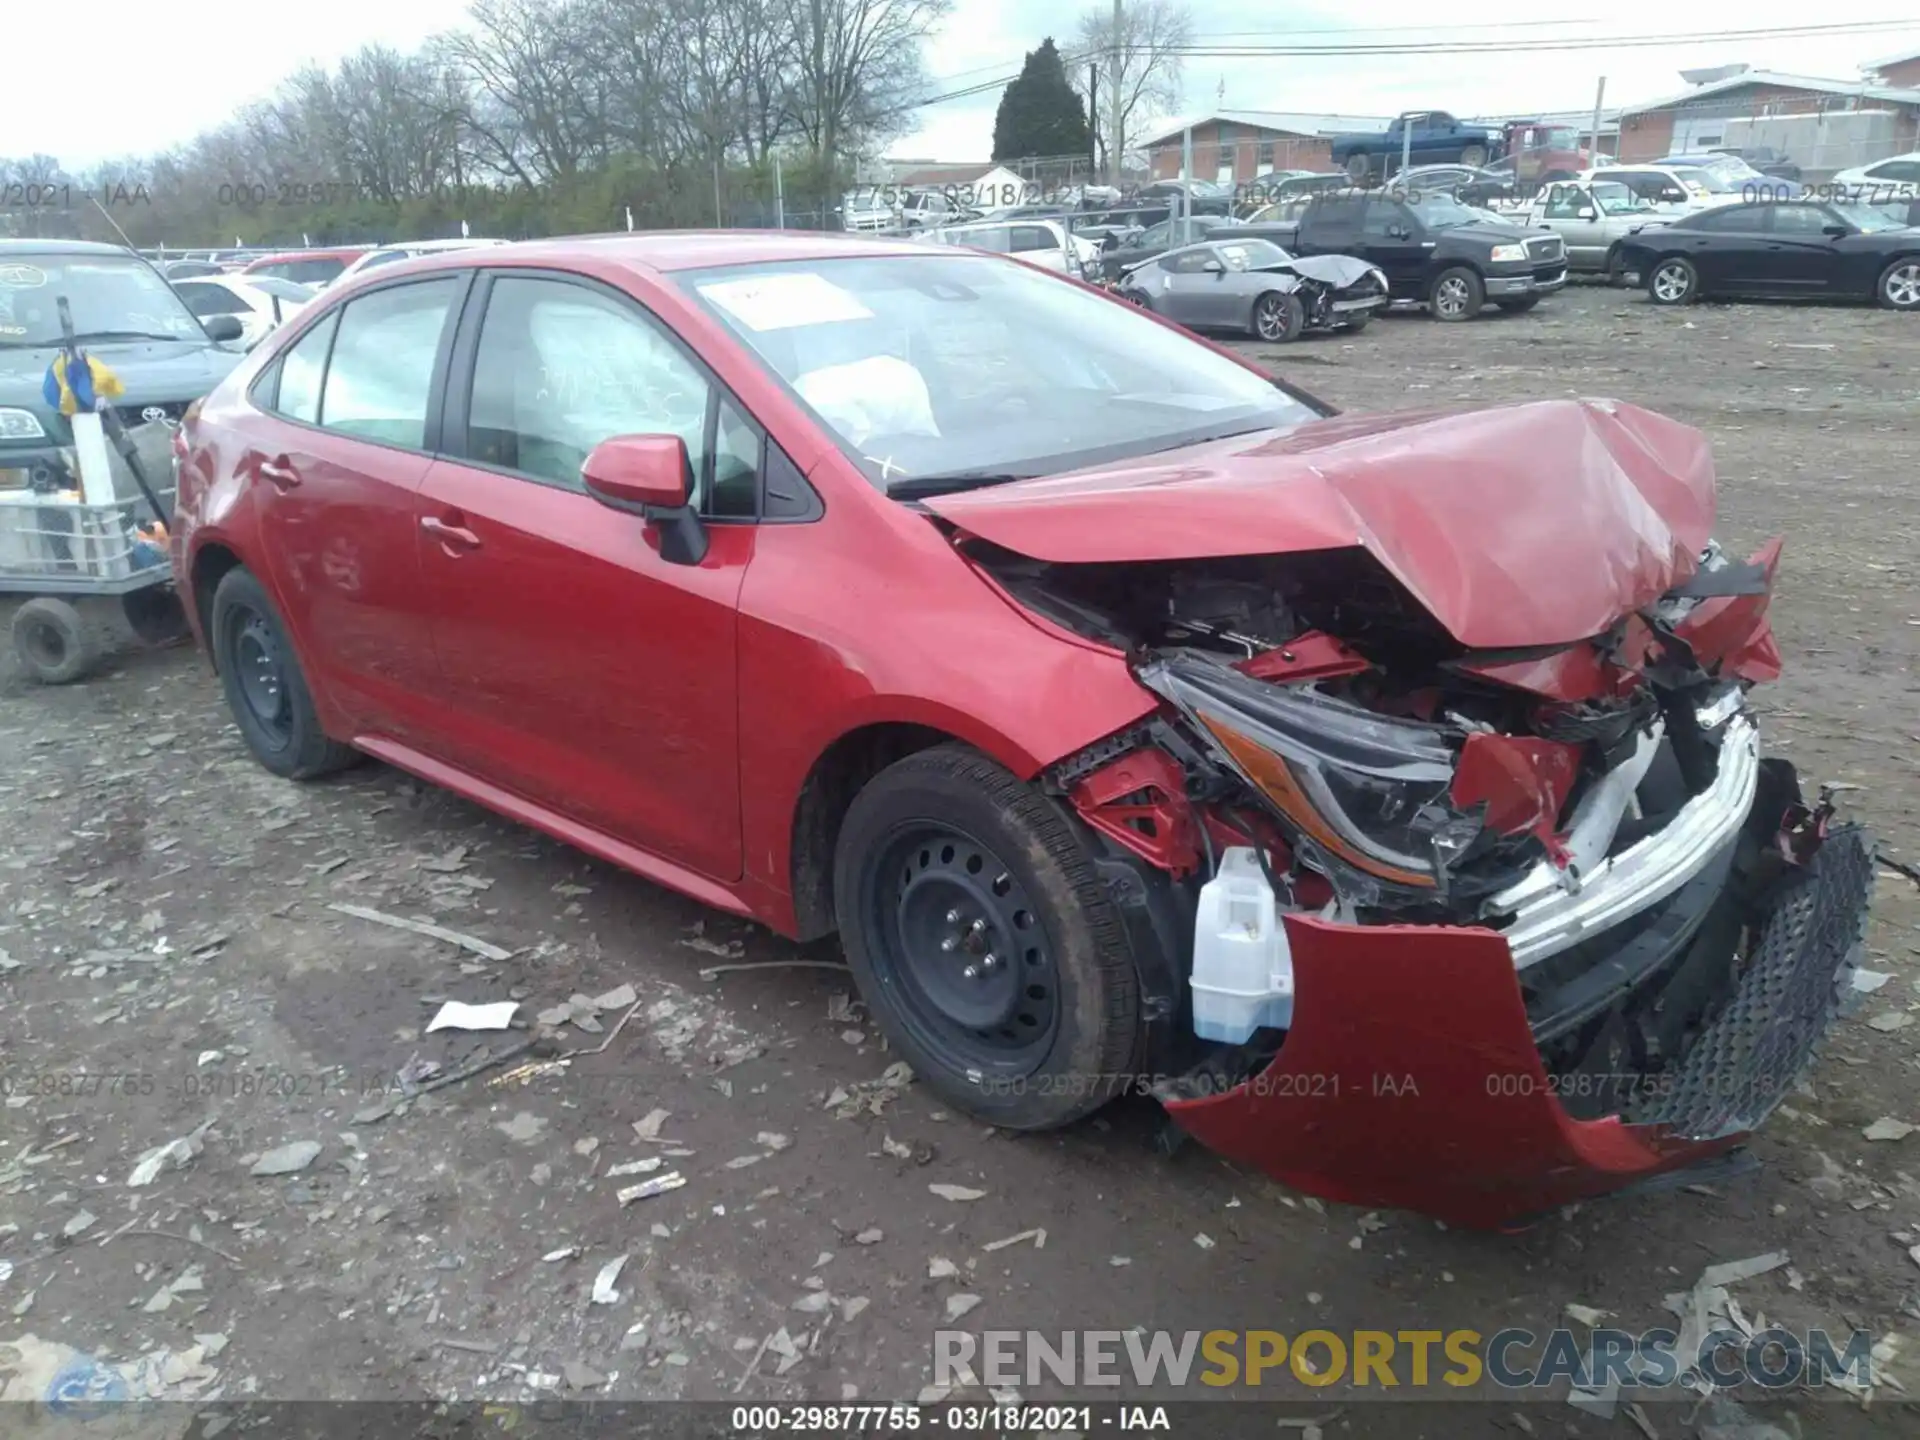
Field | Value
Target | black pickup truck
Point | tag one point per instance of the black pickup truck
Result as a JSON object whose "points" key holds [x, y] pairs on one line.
{"points": [[1450, 257]]}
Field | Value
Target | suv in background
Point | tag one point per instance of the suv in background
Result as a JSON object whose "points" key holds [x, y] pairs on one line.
{"points": [[1045, 243]]}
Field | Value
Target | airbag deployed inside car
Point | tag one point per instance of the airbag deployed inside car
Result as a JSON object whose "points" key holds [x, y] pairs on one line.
{"points": [[881, 395]]}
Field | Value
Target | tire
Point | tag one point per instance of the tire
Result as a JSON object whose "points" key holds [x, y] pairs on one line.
{"points": [[1474, 155], [1520, 306], [1278, 318], [1359, 167], [1899, 285], [52, 641], [1615, 272], [1358, 321], [1672, 280], [1456, 294], [265, 687], [1037, 1045]]}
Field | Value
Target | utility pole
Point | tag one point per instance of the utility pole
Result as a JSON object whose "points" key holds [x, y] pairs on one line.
{"points": [[1093, 112], [1117, 136], [1598, 95]]}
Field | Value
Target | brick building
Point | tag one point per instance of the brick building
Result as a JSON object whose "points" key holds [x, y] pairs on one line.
{"points": [[1900, 71], [1843, 122], [1235, 146]]}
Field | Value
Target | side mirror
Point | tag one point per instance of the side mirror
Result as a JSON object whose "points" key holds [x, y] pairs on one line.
{"points": [[1838, 232], [650, 475], [1586, 212], [222, 328], [1214, 267]]}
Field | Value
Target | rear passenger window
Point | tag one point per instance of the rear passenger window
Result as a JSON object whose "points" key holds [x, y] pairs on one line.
{"points": [[383, 358], [301, 370]]}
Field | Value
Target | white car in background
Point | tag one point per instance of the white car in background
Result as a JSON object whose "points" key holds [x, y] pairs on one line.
{"points": [[258, 302], [1670, 189], [1895, 178], [406, 250], [1044, 243]]}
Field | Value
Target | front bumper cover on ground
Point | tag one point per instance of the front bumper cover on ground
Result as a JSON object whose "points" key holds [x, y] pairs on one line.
{"points": [[1411, 1076]]}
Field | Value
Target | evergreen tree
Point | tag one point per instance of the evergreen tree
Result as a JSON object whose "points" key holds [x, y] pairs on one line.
{"points": [[1039, 112]]}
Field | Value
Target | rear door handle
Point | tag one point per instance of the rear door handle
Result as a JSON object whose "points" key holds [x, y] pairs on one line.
{"points": [[454, 536], [278, 472]]}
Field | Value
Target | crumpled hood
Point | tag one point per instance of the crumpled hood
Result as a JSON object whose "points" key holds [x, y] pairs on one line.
{"points": [[1514, 526]]}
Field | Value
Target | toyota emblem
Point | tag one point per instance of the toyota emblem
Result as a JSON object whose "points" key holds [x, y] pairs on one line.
{"points": [[154, 412]]}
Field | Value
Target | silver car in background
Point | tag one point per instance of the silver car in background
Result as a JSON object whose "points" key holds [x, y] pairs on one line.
{"points": [[1592, 218], [1255, 286]]}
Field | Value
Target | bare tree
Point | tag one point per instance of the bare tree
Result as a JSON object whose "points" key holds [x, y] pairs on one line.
{"points": [[856, 65], [540, 101], [1153, 35]]}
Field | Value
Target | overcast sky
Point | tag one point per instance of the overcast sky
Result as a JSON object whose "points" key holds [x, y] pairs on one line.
{"points": [[141, 80]]}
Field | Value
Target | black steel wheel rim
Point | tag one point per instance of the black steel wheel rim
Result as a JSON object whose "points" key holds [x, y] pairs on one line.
{"points": [[958, 943], [45, 642], [260, 675]]}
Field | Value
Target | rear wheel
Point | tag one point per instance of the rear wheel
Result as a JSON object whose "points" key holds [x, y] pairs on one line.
{"points": [[265, 687], [983, 941], [1358, 168], [1279, 318], [1457, 294], [1474, 155], [52, 641], [1899, 287], [1673, 281]]}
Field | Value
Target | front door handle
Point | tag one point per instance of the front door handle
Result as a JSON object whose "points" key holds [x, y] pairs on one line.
{"points": [[278, 472], [452, 535]]}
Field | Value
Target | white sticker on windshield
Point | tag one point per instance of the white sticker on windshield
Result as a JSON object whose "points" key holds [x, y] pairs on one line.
{"points": [[22, 277], [781, 302]]}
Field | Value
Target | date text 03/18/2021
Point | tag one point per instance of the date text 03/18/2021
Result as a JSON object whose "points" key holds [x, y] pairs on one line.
{"points": [[955, 1419]]}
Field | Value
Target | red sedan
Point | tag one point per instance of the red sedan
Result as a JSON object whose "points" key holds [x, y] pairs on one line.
{"points": [[1378, 791]]}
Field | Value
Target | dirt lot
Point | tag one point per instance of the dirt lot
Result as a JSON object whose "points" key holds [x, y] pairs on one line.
{"points": [[174, 968]]}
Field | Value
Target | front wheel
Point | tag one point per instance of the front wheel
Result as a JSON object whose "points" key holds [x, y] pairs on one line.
{"points": [[1457, 294], [1358, 168], [1474, 155], [1899, 287], [983, 941], [1673, 281], [1279, 318]]}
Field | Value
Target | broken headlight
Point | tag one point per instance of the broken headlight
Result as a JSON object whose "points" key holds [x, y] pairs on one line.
{"points": [[1368, 790]]}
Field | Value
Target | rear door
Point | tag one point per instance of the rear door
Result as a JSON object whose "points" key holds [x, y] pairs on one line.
{"points": [[579, 669], [336, 461], [1735, 256]]}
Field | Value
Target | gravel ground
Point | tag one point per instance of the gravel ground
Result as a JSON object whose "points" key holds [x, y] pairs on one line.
{"points": [[176, 968]]}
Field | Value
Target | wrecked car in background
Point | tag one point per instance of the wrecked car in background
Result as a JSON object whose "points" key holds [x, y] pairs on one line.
{"points": [[1378, 790], [1256, 287]]}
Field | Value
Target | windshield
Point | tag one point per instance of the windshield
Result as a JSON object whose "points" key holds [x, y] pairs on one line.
{"points": [[1250, 254], [947, 370], [1870, 218], [1715, 184], [1439, 211], [112, 297], [1616, 197]]}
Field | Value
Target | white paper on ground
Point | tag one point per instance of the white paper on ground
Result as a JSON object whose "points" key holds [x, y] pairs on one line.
{"points": [[455, 1015]]}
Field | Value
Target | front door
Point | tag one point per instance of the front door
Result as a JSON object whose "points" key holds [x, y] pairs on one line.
{"points": [[335, 467], [579, 668], [1800, 257], [1392, 237], [1572, 211]]}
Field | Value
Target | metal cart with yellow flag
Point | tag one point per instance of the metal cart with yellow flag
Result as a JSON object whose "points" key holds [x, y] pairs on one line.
{"points": [[87, 540]]}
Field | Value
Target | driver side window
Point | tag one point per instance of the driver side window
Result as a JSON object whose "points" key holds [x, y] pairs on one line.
{"points": [[560, 367], [1386, 222], [1566, 203]]}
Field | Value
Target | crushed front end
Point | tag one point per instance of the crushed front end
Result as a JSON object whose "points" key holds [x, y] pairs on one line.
{"points": [[1543, 922]]}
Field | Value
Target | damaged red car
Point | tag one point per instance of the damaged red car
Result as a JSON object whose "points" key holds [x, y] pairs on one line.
{"points": [[1377, 790]]}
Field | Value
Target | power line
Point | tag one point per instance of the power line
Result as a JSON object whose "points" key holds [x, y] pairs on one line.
{"points": [[1492, 47]]}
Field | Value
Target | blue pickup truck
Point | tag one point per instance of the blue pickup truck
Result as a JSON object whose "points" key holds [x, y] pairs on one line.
{"points": [[1436, 137]]}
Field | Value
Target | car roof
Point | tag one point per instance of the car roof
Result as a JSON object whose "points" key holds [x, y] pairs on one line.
{"points": [[670, 250], [60, 247]]}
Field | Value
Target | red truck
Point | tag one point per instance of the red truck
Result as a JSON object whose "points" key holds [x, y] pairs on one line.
{"points": [[1541, 153]]}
